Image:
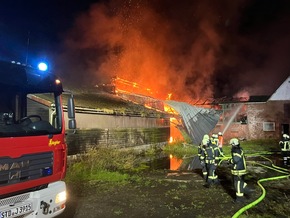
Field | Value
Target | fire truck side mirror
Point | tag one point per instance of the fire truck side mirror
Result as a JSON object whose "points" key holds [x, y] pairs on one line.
{"points": [[71, 107], [71, 113], [72, 124]]}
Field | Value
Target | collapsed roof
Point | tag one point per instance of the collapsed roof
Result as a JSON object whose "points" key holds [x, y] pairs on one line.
{"points": [[197, 120]]}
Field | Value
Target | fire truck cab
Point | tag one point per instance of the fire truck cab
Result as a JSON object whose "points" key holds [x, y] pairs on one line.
{"points": [[32, 142]]}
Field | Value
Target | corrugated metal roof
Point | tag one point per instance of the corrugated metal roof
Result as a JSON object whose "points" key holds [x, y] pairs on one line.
{"points": [[197, 120]]}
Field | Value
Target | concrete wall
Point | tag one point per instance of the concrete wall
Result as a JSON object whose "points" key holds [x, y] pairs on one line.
{"points": [[83, 140], [102, 121], [97, 130]]}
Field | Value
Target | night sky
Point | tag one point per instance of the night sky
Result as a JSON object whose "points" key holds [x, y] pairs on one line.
{"points": [[191, 48]]}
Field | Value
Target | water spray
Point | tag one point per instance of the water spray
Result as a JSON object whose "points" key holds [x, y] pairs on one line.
{"points": [[232, 117]]}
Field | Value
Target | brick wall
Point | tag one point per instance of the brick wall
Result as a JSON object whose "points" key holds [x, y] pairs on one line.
{"points": [[258, 115]]}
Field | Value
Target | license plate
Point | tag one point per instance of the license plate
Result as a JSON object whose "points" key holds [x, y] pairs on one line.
{"points": [[16, 211]]}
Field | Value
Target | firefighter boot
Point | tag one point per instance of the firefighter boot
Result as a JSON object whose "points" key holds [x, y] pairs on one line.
{"points": [[217, 182], [285, 161], [248, 191], [239, 200]]}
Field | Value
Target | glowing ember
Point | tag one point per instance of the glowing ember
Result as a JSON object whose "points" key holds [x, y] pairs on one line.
{"points": [[143, 42]]}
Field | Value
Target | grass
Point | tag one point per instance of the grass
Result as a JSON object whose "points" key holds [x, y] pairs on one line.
{"points": [[102, 165], [181, 149], [105, 164], [110, 175], [262, 145]]}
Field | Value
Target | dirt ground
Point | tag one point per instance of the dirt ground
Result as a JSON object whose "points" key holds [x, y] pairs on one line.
{"points": [[182, 194]]}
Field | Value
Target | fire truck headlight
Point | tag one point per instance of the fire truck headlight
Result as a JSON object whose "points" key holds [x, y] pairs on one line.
{"points": [[60, 197], [42, 66]]}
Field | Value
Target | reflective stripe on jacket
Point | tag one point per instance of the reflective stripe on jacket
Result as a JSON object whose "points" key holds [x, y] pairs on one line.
{"points": [[239, 162], [284, 145], [199, 150], [210, 154]]}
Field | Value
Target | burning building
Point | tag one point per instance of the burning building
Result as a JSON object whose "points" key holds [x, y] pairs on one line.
{"points": [[193, 120], [256, 117]]}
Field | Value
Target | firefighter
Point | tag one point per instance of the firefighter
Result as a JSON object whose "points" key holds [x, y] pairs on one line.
{"points": [[239, 169], [215, 141], [201, 147], [285, 149], [221, 142], [210, 156]]}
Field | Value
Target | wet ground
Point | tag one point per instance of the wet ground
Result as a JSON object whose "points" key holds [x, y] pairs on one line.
{"points": [[181, 193]]}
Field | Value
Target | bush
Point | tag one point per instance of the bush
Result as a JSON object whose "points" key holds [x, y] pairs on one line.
{"points": [[77, 172], [103, 164]]}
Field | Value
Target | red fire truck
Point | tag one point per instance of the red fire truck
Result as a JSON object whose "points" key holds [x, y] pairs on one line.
{"points": [[32, 142]]}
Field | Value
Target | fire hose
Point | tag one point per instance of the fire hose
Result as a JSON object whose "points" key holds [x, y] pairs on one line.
{"points": [[262, 196]]}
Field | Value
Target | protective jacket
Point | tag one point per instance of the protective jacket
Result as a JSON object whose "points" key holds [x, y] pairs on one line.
{"points": [[284, 145], [201, 159], [285, 150], [199, 150], [238, 160], [221, 141], [210, 156]]}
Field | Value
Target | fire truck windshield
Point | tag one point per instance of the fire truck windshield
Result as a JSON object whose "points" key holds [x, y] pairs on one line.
{"points": [[29, 114]]}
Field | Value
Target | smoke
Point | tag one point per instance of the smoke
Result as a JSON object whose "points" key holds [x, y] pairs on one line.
{"points": [[192, 49]]}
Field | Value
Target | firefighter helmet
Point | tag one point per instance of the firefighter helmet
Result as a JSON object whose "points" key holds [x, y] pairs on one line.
{"points": [[206, 137], [220, 133], [205, 141], [285, 136], [215, 136], [234, 142]]}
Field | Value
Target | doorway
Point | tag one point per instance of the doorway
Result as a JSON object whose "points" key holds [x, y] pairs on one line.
{"points": [[285, 129]]}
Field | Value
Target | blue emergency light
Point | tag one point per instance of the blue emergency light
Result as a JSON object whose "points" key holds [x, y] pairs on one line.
{"points": [[47, 171], [42, 66]]}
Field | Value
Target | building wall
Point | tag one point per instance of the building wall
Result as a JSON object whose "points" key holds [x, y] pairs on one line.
{"points": [[115, 131], [83, 140], [89, 121], [264, 121], [99, 130], [234, 130], [260, 113]]}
